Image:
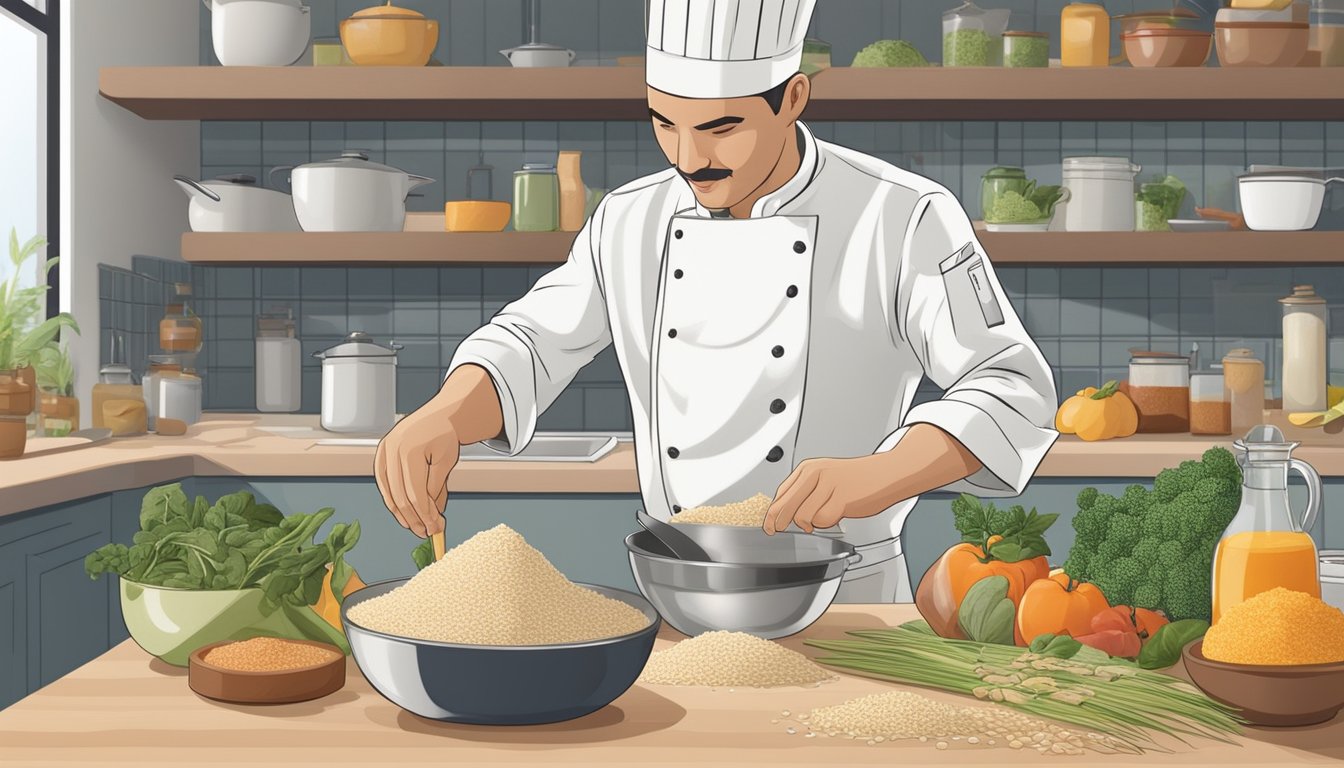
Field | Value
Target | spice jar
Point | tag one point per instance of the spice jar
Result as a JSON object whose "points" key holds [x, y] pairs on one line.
{"points": [[1244, 379], [158, 366], [1304, 345], [536, 198], [279, 358], [1026, 49], [1210, 413], [973, 36], [1159, 386], [180, 328]]}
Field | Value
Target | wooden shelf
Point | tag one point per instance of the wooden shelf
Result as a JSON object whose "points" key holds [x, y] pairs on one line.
{"points": [[618, 93], [1164, 248], [1015, 248], [376, 248]]}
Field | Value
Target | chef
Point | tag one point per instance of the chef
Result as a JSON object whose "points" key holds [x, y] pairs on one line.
{"points": [[774, 301]]}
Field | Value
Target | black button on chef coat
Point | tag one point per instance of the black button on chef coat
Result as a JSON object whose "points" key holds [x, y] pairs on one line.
{"points": [[778, 351], [673, 452], [775, 454], [777, 406]]}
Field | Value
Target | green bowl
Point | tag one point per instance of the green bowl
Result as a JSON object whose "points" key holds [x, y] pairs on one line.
{"points": [[172, 623]]}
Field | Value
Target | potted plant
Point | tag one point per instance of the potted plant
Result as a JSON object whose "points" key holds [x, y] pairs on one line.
{"points": [[58, 407], [22, 335]]}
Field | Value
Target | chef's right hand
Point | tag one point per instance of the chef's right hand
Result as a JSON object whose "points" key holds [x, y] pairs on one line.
{"points": [[412, 466]]}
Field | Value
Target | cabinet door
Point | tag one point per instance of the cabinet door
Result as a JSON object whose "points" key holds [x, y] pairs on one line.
{"points": [[55, 617], [13, 629]]}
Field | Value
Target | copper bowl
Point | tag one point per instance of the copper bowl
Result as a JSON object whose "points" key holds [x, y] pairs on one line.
{"points": [[1167, 47], [1276, 695]]}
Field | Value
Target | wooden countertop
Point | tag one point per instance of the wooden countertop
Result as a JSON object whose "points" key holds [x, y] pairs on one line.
{"points": [[127, 709], [237, 445]]}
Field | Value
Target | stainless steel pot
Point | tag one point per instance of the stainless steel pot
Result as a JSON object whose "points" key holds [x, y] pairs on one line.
{"points": [[351, 194], [236, 204], [359, 386]]}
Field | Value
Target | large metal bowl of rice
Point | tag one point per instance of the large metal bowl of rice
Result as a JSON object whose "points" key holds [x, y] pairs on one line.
{"points": [[493, 634], [772, 586]]}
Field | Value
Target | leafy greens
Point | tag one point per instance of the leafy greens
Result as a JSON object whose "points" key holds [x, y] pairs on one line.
{"points": [[234, 544]]}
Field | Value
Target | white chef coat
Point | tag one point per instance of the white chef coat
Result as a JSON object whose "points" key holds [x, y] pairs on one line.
{"points": [[750, 345]]}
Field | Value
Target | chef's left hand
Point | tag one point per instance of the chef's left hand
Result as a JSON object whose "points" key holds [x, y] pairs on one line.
{"points": [[822, 492]]}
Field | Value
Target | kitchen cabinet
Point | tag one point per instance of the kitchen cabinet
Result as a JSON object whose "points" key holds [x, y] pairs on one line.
{"points": [[618, 93], [55, 617]]}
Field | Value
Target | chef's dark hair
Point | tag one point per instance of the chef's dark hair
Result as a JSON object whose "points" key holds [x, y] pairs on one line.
{"points": [[775, 96]]}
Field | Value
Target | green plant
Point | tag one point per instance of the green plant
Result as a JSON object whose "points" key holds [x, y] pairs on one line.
{"points": [[22, 335], [234, 544], [1154, 548], [55, 371], [889, 53]]}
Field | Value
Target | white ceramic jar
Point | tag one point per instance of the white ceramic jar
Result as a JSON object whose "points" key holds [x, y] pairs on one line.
{"points": [[1101, 194], [359, 386], [259, 33]]}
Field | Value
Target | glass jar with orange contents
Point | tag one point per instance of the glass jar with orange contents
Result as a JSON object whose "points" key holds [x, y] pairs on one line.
{"points": [[1265, 546], [180, 329]]}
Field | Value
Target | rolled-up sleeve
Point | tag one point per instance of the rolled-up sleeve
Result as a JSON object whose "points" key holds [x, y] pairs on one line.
{"points": [[534, 347], [999, 394]]}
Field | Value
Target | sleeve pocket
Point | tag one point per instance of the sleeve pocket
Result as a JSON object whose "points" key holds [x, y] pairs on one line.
{"points": [[966, 281]]}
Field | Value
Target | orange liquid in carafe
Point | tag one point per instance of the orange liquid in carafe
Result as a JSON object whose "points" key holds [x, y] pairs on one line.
{"points": [[1257, 561]]}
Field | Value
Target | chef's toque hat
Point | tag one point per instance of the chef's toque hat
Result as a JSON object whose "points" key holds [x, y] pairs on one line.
{"points": [[724, 49]]}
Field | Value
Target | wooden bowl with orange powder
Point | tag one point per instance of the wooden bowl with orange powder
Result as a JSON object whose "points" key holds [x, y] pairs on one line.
{"points": [[266, 670], [1277, 657]]}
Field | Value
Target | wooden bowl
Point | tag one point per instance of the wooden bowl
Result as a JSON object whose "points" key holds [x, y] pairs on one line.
{"points": [[1288, 695], [278, 687]]}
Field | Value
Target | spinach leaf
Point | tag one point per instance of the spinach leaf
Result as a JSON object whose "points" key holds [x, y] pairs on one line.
{"points": [[161, 505], [1165, 646], [986, 614], [423, 554], [340, 541], [1055, 646]]}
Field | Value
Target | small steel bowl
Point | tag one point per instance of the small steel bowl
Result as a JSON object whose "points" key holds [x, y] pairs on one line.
{"points": [[499, 685], [776, 585]]}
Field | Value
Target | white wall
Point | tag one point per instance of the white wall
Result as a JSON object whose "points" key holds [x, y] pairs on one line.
{"points": [[117, 199]]}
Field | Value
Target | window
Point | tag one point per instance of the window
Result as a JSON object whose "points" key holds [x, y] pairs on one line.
{"points": [[29, 143]]}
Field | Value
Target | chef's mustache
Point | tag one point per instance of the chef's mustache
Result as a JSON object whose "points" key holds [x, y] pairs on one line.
{"points": [[706, 174]]}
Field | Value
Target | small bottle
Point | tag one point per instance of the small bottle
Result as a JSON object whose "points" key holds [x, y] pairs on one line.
{"points": [[116, 382], [180, 328], [573, 195], [1084, 36]]}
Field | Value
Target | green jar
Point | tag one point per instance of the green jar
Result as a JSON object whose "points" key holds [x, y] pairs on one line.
{"points": [[997, 181], [1026, 49], [536, 198]]}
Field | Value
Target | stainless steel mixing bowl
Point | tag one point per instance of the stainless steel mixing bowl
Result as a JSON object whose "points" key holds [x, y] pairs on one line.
{"points": [[779, 585], [499, 685]]}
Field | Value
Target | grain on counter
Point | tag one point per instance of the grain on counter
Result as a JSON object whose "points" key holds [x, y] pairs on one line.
{"points": [[723, 659]]}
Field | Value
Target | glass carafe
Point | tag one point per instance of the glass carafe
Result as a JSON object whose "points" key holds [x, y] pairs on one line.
{"points": [[1265, 546]]}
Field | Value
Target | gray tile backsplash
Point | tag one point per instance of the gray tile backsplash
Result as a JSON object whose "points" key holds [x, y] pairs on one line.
{"points": [[1084, 319]]}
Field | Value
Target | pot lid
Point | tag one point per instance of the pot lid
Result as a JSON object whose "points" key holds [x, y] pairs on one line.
{"points": [[1163, 32], [1021, 33], [1151, 357], [1005, 172], [237, 178], [1302, 174], [1302, 294], [537, 168], [1166, 13], [537, 47], [354, 159], [359, 344], [1099, 164], [387, 11], [1239, 355]]}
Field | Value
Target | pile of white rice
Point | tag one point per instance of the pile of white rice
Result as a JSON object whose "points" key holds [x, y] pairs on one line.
{"points": [[744, 513], [736, 659], [495, 589]]}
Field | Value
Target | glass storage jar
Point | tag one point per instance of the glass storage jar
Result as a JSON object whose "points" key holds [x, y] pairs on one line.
{"points": [[180, 328], [1244, 379], [1026, 49], [536, 198], [973, 36], [1210, 413], [1304, 351], [1159, 385]]}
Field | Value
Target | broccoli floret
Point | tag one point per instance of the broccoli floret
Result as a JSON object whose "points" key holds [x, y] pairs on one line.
{"points": [[1077, 565], [1167, 485], [890, 53], [1086, 498], [1118, 579], [1155, 549], [1148, 595]]}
